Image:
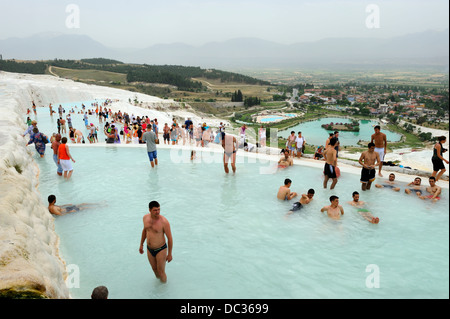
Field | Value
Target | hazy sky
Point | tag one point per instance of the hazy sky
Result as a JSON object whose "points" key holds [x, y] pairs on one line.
{"points": [[139, 23]]}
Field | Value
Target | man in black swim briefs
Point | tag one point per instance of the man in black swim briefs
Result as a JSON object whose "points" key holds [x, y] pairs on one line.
{"points": [[155, 252], [156, 230]]}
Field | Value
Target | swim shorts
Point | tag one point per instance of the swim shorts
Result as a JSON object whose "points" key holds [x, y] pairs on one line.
{"points": [[416, 191], [152, 155], [55, 159], [367, 175], [380, 152], [70, 209], [329, 171], [296, 206], [66, 165], [166, 137]]}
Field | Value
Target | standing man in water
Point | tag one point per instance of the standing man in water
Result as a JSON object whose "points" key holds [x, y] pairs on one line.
{"points": [[369, 159], [55, 148], [229, 144], [151, 139], [329, 170], [380, 145], [156, 228]]}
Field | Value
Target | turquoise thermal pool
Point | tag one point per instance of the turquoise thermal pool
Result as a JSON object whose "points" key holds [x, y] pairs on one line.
{"points": [[232, 237]]}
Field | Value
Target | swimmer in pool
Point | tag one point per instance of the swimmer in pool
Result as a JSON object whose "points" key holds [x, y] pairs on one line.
{"points": [[304, 200], [286, 160], [390, 183], [334, 210], [65, 209], [363, 212], [433, 189], [284, 193], [156, 228], [416, 187]]}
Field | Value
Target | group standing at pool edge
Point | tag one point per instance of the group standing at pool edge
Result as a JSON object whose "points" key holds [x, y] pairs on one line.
{"points": [[156, 231], [369, 160]]}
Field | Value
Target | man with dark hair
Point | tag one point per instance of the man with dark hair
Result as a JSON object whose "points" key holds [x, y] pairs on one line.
{"points": [[337, 146], [380, 141], [331, 163], [369, 159], [150, 138], [390, 183], [415, 187], [285, 161], [229, 144], [65, 209], [100, 292], [433, 189], [362, 211], [156, 229], [334, 210], [39, 140], [284, 193], [304, 200]]}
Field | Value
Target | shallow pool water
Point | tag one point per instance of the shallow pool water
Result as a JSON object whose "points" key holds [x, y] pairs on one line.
{"points": [[232, 237]]}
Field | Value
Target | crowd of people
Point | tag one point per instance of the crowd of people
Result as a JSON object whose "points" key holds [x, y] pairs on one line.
{"points": [[370, 160], [121, 127]]}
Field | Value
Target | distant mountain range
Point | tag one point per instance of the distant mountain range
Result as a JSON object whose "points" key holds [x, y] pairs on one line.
{"points": [[430, 48]]}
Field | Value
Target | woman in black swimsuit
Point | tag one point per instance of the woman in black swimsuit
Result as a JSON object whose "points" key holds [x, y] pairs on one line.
{"points": [[437, 159]]}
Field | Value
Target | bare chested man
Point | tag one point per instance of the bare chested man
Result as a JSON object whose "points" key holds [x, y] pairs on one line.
{"points": [[415, 187], [369, 159], [362, 211], [390, 183], [380, 145], [433, 189], [285, 161], [334, 211], [66, 209], [229, 144], [156, 228], [304, 200], [284, 193], [329, 170]]}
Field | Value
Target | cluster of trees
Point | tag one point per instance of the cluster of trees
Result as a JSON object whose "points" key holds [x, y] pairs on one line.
{"points": [[166, 77], [224, 76], [179, 76], [243, 117], [101, 61], [237, 96], [22, 67], [251, 101]]}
